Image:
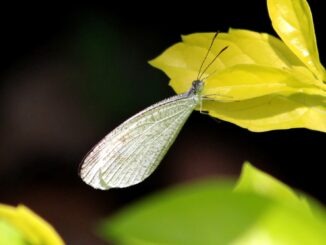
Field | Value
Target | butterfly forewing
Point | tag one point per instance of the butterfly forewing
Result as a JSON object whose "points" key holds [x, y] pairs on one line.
{"points": [[132, 151]]}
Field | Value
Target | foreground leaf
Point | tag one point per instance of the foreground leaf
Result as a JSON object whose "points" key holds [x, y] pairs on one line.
{"points": [[26, 227], [253, 180], [212, 213], [9, 235]]}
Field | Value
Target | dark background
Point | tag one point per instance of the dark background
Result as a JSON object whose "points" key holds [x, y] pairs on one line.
{"points": [[70, 73]]}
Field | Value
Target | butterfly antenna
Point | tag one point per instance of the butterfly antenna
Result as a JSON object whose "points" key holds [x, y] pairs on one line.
{"points": [[209, 49], [219, 53]]}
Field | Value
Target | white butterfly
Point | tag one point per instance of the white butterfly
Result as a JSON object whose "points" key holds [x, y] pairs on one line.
{"points": [[132, 151]]}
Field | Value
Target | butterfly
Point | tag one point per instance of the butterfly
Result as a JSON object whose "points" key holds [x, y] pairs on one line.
{"points": [[132, 151]]}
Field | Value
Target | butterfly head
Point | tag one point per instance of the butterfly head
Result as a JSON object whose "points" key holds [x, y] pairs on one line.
{"points": [[197, 87]]}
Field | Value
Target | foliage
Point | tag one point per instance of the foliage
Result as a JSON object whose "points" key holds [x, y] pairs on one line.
{"points": [[19, 225], [261, 210], [260, 82]]}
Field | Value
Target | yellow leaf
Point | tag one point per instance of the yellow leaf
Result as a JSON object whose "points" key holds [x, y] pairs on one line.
{"points": [[32, 227], [259, 82], [292, 20], [273, 112], [246, 47], [241, 82]]}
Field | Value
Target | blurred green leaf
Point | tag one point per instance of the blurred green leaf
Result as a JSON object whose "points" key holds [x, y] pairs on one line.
{"points": [[212, 212], [256, 181]]}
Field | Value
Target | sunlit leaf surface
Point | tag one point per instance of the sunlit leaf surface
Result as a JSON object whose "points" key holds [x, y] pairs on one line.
{"points": [[292, 20], [271, 84]]}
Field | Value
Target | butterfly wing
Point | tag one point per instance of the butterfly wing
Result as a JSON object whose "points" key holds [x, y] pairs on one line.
{"points": [[132, 151]]}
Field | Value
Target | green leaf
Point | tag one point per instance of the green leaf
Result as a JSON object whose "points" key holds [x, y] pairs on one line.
{"points": [[292, 20], [212, 213], [256, 181]]}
